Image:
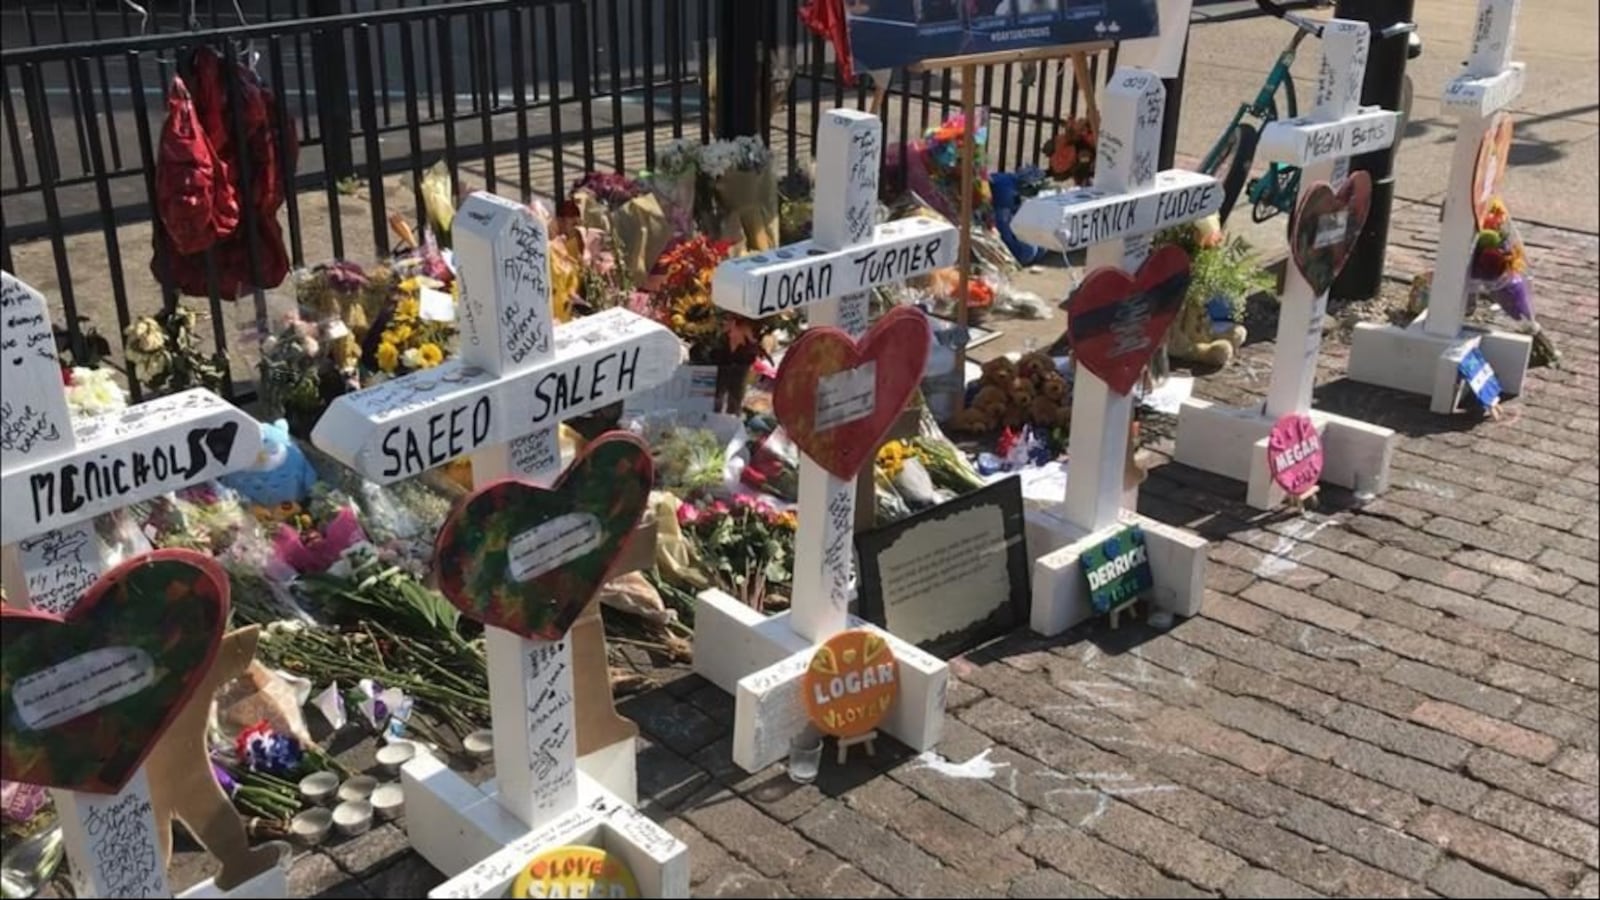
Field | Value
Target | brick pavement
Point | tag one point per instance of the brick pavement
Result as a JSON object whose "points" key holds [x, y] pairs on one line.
{"points": [[1393, 699]]}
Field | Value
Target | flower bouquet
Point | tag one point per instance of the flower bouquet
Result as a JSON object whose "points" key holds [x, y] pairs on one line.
{"points": [[93, 392], [674, 180], [584, 275], [617, 205], [164, 350], [1224, 274], [1499, 270], [940, 156], [747, 547], [746, 191], [1071, 151], [301, 375], [403, 340]]}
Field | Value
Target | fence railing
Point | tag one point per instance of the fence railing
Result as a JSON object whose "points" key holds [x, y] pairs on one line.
{"points": [[518, 96]]}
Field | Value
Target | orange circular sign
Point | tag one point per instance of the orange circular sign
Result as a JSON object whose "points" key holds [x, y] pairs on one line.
{"points": [[575, 872], [851, 683]]}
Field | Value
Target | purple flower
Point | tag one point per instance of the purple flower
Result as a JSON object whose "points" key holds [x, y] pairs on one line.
{"points": [[345, 277], [224, 780]]}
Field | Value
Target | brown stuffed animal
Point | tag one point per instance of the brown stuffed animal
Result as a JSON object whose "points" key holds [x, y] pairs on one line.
{"points": [[1053, 387], [999, 370]]}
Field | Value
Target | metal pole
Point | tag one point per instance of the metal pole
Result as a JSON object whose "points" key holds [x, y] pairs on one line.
{"points": [[1382, 86], [739, 75], [1168, 157], [333, 93]]}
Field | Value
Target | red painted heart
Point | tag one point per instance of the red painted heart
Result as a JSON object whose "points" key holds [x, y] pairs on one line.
{"points": [[1326, 226], [837, 398], [1116, 322], [86, 696], [529, 559]]}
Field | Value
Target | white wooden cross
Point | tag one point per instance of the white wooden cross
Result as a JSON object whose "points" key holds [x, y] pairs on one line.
{"points": [[759, 659], [56, 474], [1233, 442], [1114, 219], [501, 400], [1423, 358]]}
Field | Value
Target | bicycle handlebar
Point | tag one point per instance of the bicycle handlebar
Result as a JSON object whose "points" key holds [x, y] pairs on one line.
{"points": [[1314, 28]]}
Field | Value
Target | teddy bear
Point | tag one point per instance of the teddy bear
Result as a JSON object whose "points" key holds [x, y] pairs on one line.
{"points": [[1053, 387], [1036, 366], [1194, 338], [282, 473], [1000, 371], [970, 420]]}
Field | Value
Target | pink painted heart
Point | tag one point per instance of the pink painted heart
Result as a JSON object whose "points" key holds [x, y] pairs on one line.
{"points": [[1489, 175], [837, 398], [1116, 321], [1326, 226], [529, 559], [87, 695], [1294, 454]]}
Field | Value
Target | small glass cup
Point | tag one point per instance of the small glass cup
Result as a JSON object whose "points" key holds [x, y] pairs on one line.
{"points": [[805, 757]]}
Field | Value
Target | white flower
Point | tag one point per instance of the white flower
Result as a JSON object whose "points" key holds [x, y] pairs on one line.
{"points": [[412, 358], [311, 346], [269, 344], [94, 392]]}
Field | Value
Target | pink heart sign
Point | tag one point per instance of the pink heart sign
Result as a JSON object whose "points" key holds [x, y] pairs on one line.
{"points": [[529, 559], [86, 695], [837, 398], [1326, 226], [1116, 322], [1294, 454]]}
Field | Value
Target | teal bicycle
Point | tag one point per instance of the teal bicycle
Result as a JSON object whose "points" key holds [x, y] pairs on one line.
{"points": [[1233, 156]]}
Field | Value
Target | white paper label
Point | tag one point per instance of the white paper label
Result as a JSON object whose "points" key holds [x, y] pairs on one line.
{"points": [[1333, 229], [437, 306], [553, 544], [81, 685], [844, 397]]}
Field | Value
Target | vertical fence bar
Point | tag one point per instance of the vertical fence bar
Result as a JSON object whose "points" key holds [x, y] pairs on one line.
{"points": [[72, 96], [447, 87], [105, 90], [819, 58], [676, 44], [102, 190], [383, 77], [369, 136], [13, 133], [287, 155], [300, 85], [141, 121], [408, 73], [428, 37], [1006, 72], [44, 135], [558, 145], [614, 51], [706, 100], [582, 80], [480, 27], [648, 33], [250, 212], [519, 96]]}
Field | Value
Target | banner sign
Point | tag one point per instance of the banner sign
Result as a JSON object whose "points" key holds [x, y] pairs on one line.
{"points": [[888, 34]]}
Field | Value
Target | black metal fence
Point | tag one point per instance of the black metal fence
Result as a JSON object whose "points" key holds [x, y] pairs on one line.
{"points": [[520, 96]]}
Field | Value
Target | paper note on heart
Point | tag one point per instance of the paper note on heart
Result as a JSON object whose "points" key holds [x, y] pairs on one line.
{"points": [[1115, 322], [1294, 454], [837, 398], [85, 697], [1489, 175], [1326, 226], [529, 559]]}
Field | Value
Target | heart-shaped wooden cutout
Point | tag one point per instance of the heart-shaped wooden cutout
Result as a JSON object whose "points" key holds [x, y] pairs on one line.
{"points": [[1116, 322], [529, 559], [1326, 226], [86, 696], [837, 398], [1489, 175]]}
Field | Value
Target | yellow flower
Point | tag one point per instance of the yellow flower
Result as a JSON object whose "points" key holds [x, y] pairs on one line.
{"points": [[388, 356], [431, 355], [398, 335], [408, 309]]}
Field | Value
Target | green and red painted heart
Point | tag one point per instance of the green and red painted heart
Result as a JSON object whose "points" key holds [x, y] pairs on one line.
{"points": [[1326, 226], [823, 376], [86, 696], [529, 559], [1116, 322]]}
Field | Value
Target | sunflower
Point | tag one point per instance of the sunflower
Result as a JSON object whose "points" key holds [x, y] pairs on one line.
{"points": [[431, 355], [700, 317], [388, 356]]}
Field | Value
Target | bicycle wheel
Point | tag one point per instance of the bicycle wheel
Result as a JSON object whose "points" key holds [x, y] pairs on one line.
{"points": [[1269, 198], [1244, 154]]}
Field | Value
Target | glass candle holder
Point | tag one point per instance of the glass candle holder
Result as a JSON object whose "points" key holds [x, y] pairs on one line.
{"points": [[805, 757]]}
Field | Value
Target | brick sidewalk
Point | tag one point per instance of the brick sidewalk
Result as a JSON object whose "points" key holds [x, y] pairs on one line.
{"points": [[1398, 699]]}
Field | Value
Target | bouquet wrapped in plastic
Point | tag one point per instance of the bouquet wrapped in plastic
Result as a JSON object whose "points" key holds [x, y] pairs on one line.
{"points": [[1499, 271]]}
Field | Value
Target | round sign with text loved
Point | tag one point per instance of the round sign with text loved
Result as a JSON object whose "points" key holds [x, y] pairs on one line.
{"points": [[851, 683], [1294, 454], [575, 872]]}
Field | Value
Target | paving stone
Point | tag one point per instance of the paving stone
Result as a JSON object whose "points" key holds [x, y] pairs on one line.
{"points": [[1253, 882], [1444, 684], [1363, 839], [1045, 884], [1560, 724], [1372, 690], [1536, 783], [885, 856], [745, 831], [1361, 796], [705, 855], [1477, 727], [314, 873], [1304, 607], [1538, 685], [1430, 783], [974, 800], [1563, 636], [666, 779], [1096, 863], [1246, 617], [1385, 606], [1272, 724], [1582, 568], [1581, 765], [1412, 644], [365, 853], [1498, 851], [1297, 698], [1540, 596], [1171, 849], [1540, 825], [680, 725], [1456, 603], [739, 881], [1400, 736], [1588, 887], [1459, 879], [409, 876], [1202, 734]]}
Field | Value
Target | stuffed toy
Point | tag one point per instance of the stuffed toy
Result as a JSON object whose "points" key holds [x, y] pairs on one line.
{"points": [[282, 473]]}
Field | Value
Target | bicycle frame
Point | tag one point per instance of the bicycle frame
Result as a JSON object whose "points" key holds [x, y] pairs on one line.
{"points": [[1263, 107]]}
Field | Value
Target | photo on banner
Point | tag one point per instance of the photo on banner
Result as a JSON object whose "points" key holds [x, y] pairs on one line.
{"points": [[887, 34]]}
